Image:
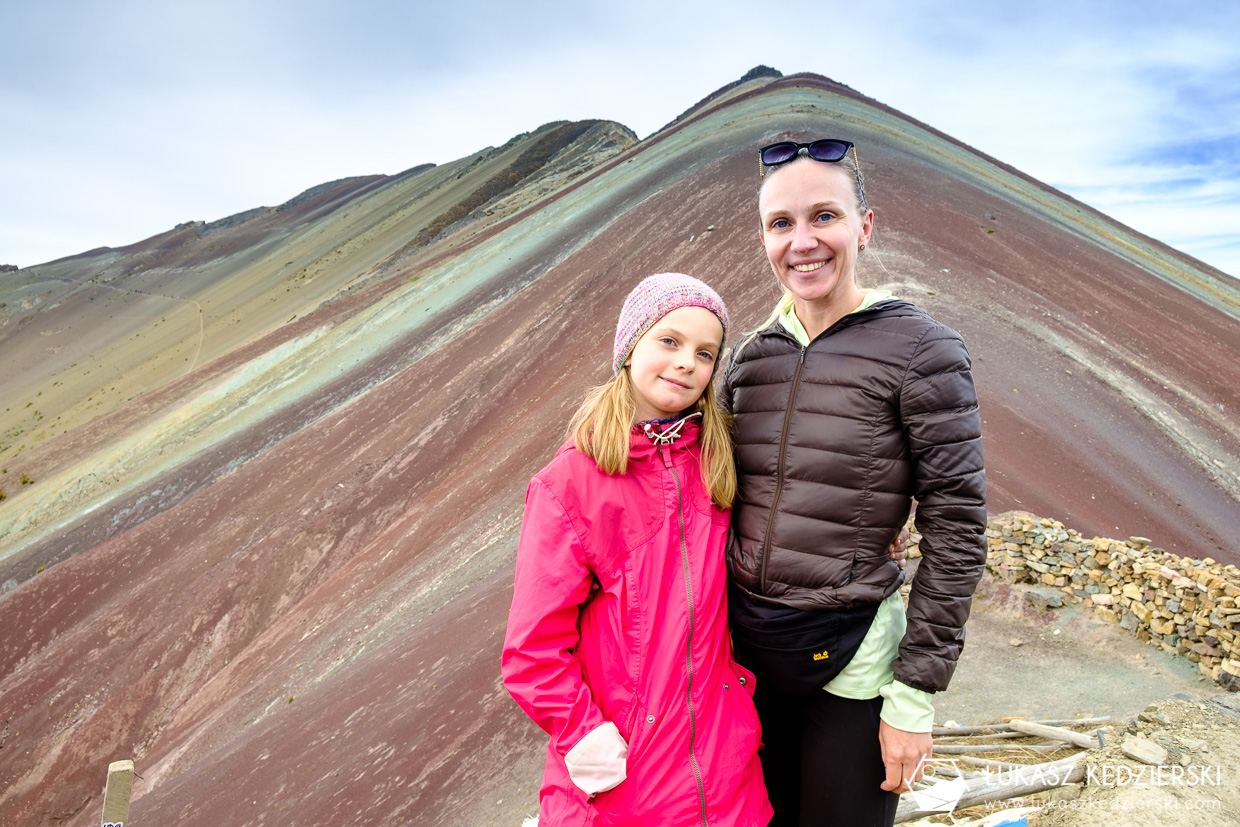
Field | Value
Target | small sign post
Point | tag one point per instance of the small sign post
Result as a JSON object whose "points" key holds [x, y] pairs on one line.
{"points": [[116, 794]]}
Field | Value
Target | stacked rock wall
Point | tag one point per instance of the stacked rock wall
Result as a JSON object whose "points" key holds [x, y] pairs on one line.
{"points": [[1187, 607]]}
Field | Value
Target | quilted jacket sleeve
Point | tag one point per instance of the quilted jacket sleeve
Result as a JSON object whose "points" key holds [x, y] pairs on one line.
{"points": [[723, 382], [539, 666], [727, 368], [938, 406]]}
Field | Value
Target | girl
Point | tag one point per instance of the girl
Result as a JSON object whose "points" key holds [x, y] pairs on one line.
{"points": [[617, 641]]}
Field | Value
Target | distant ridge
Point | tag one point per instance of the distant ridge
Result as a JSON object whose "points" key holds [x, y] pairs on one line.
{"points": [[527, 163], [756, 72]]}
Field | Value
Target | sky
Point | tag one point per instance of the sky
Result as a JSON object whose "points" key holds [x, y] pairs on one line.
{"points": [[119, 120]]}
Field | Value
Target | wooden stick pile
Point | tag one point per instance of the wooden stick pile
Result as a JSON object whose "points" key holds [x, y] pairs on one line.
{"points": [[962, 779]]}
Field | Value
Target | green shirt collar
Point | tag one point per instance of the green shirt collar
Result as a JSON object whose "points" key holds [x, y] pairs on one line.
{"points": [[788, 316]]}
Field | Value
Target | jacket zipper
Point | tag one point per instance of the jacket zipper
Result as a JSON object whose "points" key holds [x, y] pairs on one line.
{"points": [[684, 559], [765, 552]]}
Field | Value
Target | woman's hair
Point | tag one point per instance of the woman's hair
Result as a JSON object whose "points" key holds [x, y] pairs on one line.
{"points": [[601, 427], [848, 162], [858, 186]]}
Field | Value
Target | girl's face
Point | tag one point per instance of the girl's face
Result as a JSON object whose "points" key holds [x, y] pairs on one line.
{"points": [[813, 229], [671, 365]]}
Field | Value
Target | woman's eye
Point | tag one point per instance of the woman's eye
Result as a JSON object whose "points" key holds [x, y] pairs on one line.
{"points": [[826, 216], [779, 224]]}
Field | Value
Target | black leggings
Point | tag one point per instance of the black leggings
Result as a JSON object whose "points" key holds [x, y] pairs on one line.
{"points": [[822, 760]]}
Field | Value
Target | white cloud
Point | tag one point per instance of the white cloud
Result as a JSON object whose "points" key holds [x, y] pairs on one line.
{"points": [[142, 115]]}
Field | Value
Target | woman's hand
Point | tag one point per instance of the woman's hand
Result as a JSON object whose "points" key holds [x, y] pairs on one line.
{"points": [[898, 550], [904, 756]]}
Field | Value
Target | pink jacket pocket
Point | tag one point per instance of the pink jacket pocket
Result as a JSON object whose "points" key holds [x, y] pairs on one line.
{"points": [[598, 762]]}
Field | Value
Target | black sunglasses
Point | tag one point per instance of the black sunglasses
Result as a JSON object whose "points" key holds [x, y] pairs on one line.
{"points": [[828, 150]]}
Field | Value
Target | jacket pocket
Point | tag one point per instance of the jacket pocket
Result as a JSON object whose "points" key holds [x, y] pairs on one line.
{"points": [[796, 652], [643, 725], [745, 678]]}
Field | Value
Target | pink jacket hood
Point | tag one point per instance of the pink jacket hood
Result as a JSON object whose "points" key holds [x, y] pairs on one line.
{"points": [[647, 651]]}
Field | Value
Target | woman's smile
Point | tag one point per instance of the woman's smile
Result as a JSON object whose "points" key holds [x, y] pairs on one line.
{"points": [[813, 230], [808, 267]]}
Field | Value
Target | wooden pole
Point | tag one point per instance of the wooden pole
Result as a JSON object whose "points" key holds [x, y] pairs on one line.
{"points": [[1007, 726], [1079, 739], [964, 749], [116, 794], [974, 761]]}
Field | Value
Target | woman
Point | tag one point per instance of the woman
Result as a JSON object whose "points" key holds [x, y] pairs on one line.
{"points": [[848, 404]]}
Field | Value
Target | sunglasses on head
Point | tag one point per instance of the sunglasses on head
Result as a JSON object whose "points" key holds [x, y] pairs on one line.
{"points": [[828, 150]]}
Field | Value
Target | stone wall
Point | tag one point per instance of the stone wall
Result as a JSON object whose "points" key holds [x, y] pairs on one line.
{"points": [[1184, 606]]}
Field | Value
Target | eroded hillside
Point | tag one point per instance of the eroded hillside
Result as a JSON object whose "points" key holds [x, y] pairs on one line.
{"points": [[278, 461]]}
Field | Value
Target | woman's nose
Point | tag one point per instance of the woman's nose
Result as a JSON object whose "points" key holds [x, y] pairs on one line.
{"points": [[803, 238]]}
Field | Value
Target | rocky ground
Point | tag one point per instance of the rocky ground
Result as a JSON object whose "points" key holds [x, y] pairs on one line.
{"points": [[1195, 785], [1022, 661]]}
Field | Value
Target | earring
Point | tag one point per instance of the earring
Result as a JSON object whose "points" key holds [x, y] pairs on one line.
{"points": [[862, 249]]}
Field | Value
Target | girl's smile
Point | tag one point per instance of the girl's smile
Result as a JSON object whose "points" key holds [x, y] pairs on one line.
{"points": [[673, 361]]}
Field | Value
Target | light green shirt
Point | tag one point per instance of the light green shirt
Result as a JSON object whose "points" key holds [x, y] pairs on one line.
{"points": [[868, 674]]}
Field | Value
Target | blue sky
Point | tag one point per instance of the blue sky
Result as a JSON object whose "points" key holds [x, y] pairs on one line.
{"points": [[119, 120]]}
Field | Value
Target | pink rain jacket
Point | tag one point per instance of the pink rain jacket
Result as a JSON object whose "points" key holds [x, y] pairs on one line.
{"points": [[647, 652]]}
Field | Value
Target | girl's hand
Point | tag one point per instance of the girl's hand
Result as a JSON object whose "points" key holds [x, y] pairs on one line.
{"points": [[599, 760], [898, 550]]}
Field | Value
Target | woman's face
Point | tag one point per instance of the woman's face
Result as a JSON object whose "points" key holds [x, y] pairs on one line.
{"points": [[813, 229]]}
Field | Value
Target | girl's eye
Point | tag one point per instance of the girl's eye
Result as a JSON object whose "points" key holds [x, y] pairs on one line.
{"points": [[667, 340], [707, 355]]}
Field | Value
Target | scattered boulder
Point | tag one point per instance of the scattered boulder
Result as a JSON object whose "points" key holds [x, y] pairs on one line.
{"points": [[1044, 599]]}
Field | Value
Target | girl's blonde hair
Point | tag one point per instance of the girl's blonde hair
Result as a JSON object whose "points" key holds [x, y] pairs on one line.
{"points": [[601, 427]]}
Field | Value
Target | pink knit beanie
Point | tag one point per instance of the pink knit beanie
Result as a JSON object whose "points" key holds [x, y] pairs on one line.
{"points": [[654, 298]]}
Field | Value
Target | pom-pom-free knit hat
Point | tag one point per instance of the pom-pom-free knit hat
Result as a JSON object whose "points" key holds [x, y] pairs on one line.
{"points": [[654, 298]]}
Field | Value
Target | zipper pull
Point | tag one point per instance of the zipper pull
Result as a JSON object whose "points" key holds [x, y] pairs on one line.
{"points": [[801, 361]]}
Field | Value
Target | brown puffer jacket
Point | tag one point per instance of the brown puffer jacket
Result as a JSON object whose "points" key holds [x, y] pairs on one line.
{"points": [[834, 440]]}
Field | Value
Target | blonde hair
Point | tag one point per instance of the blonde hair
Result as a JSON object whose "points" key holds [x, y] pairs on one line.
{"points": [[600, 429], [785, 301]]}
